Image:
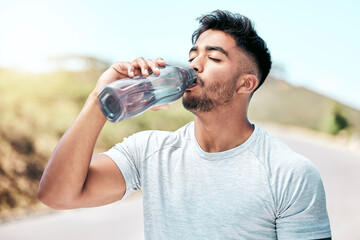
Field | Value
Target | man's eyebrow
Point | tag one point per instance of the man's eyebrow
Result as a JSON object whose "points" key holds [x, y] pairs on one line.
{"points": [[220, 49], [211, 48], [193, 49]]}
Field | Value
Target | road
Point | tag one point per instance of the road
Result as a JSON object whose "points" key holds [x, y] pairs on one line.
{"points": [[121, 220], [339, 168]]}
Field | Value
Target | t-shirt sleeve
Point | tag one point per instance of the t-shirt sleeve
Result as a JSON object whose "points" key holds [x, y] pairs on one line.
{"points": [[126, 157], [301, 200]]}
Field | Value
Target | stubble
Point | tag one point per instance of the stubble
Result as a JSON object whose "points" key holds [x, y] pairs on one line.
{"points": [[213, 96]]}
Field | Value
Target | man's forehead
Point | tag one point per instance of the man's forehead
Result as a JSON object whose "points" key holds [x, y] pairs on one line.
{"points": [[215, 39]]}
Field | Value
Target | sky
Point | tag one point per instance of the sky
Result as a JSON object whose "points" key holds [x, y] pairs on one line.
{"points": [[316, 44]]}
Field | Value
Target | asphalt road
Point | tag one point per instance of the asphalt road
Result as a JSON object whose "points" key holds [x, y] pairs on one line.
{"points": [[121, 220], [339, 168]]}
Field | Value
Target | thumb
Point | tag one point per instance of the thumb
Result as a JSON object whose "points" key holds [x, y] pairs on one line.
{"points": [[165, 107]]}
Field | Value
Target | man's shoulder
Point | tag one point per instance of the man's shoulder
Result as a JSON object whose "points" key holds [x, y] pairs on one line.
{"points": [[287, 170], [269, 146], [275, 154]]}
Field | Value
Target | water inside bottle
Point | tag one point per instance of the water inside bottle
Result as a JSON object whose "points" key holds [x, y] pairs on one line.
{"points": [[130, 97]]}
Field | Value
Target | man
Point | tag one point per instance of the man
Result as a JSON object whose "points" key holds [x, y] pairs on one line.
{"points": [[219, 177]]}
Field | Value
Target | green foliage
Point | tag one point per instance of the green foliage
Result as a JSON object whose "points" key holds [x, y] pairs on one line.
{"points": [[335, 121]]}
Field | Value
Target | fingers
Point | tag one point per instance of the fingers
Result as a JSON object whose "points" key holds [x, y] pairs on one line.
{"points": [[146, 65], [121, 70], [165, 107], [139, 66], [124, 68]]}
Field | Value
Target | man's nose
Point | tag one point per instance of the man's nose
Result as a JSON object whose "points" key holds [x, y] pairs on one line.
{"points": [[197, 65]]}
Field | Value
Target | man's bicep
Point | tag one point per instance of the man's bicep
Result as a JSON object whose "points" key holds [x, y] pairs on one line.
{"points": [[104, 183]]}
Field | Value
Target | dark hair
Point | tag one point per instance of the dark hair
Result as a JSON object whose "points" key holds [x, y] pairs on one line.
{"points": [[242, 30]]}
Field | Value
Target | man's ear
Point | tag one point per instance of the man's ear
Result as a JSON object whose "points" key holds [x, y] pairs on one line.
{"points": [[247, 83]]}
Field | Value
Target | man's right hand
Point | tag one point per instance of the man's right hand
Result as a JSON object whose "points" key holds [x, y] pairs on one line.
{"points": [[120, 70]]}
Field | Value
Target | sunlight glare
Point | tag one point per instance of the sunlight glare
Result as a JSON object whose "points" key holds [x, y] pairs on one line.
{"points": [[29, 32], [25, 48]]}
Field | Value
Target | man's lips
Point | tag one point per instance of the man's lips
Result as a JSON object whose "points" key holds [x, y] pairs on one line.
{"points": [[192, 85]]}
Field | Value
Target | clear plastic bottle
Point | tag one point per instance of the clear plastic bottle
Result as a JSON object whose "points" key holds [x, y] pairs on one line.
{"points": [[127, 98]]}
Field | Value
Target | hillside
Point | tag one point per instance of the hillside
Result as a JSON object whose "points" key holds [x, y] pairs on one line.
{"points": [[36, 110], [278, 101]]}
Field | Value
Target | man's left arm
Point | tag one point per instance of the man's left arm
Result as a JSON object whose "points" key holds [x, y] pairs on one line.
{"points": [[302, 212]]}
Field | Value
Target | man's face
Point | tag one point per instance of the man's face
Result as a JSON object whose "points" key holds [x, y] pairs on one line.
{"points": [[216, 58]]}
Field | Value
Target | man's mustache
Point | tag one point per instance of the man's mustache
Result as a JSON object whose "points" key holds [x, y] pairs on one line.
{"points": [[200, 81]]}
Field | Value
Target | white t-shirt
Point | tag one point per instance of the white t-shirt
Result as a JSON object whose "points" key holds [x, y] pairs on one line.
{"points": [[258, 190]]}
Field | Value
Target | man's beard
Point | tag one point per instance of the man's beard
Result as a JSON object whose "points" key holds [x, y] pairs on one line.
{"points": [[204, 103]]}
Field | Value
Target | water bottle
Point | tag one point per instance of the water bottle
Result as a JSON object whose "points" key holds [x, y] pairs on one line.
{"points": [[127, 98]]}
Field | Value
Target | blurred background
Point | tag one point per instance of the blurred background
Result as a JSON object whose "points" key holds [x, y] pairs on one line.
{"points": [[52, 53]]}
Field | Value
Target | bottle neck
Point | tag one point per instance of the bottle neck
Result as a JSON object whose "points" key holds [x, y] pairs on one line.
{"points": [[190, 75]]}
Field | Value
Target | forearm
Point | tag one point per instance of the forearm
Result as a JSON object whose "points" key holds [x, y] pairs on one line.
{"points": [[73, 177], [66, 172]]}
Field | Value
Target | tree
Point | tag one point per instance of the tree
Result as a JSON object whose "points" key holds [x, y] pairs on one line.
{"points": [[336, 121]]}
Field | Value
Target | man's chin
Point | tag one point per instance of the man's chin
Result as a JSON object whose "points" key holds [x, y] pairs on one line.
{"points": [[189, 103], [194, 104]]}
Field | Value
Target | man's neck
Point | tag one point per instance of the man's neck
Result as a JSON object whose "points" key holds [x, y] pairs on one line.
{"points": [[222, 130]]}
